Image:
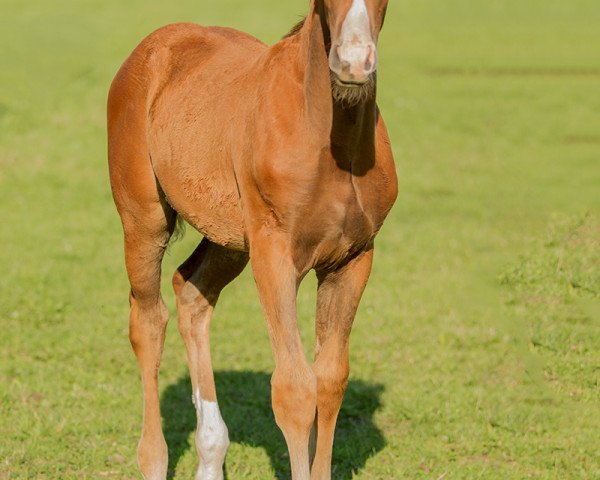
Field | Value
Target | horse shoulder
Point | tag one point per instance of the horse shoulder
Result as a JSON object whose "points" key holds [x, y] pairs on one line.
{"points": [[285, 152]]}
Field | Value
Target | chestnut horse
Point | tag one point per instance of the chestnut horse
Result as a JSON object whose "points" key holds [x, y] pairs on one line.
{"points": [[278, 156]]}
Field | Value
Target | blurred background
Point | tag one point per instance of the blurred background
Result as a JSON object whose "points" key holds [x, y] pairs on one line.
{"points": [[475, 350]]}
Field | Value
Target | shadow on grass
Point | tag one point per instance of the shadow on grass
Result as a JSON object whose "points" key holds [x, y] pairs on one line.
{"points": [[245, 401]]}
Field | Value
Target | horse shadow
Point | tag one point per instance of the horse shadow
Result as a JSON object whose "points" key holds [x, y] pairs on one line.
{"points": [[245, 402]]}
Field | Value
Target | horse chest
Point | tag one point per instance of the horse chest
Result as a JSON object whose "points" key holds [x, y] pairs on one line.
{"points": [[338, 226], [353, 224]]}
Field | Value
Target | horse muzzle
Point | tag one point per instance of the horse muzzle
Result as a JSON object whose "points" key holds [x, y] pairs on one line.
{"points": [[353, 63]]}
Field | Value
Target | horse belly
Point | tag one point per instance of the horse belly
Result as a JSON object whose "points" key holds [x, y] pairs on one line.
{"points": [[206, 197], [189, 146], [211, 205]]}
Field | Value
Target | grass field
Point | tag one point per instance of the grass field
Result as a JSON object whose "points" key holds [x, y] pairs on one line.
{"points": [[476, 350]]}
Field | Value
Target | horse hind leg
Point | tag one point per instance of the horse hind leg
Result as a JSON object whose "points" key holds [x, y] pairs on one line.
{"points": [[148, 222], [197, 284], [147, 234]]}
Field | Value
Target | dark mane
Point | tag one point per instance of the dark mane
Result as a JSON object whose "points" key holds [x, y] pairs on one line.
{"points": [[295, 29]]}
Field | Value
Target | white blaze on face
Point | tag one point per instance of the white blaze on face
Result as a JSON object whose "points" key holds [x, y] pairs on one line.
{"points": [[212, 439], [353, 55]]}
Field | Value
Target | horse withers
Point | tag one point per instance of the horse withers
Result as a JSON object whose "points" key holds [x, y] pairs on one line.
{"points": [[278, 156]]}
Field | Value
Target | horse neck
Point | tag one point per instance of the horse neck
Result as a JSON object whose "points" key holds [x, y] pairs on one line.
{"points": [[351, 129]]}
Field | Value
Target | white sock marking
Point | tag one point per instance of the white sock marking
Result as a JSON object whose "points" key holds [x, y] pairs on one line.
{"points": [[212, 439]]}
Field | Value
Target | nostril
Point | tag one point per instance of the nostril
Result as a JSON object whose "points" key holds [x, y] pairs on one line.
{"points": [[371, 59]]}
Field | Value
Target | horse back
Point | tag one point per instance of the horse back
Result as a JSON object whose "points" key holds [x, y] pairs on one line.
{"points": [[170, 55]]}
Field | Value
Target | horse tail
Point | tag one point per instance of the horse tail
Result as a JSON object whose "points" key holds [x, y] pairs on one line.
{"points": [[179, 231]]}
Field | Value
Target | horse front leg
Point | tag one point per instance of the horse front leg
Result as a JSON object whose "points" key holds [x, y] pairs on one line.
{"points": [[338, 296], [293, 384]]}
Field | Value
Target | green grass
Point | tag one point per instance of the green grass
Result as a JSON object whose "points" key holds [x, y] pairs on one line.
{"points": [[475, 350]]}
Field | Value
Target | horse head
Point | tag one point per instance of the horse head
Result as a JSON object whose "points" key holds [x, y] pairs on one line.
{"points": [[353, 28]]}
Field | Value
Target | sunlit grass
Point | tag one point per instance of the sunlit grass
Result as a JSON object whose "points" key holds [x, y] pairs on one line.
{"points": [[475, 350]]}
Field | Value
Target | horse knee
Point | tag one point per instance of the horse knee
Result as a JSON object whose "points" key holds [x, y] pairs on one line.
{"points": [[294, 399], [332, 381], [148, 320]]}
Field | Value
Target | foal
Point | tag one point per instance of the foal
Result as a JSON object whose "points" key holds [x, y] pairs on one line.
{"points": [[278, 156]]}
